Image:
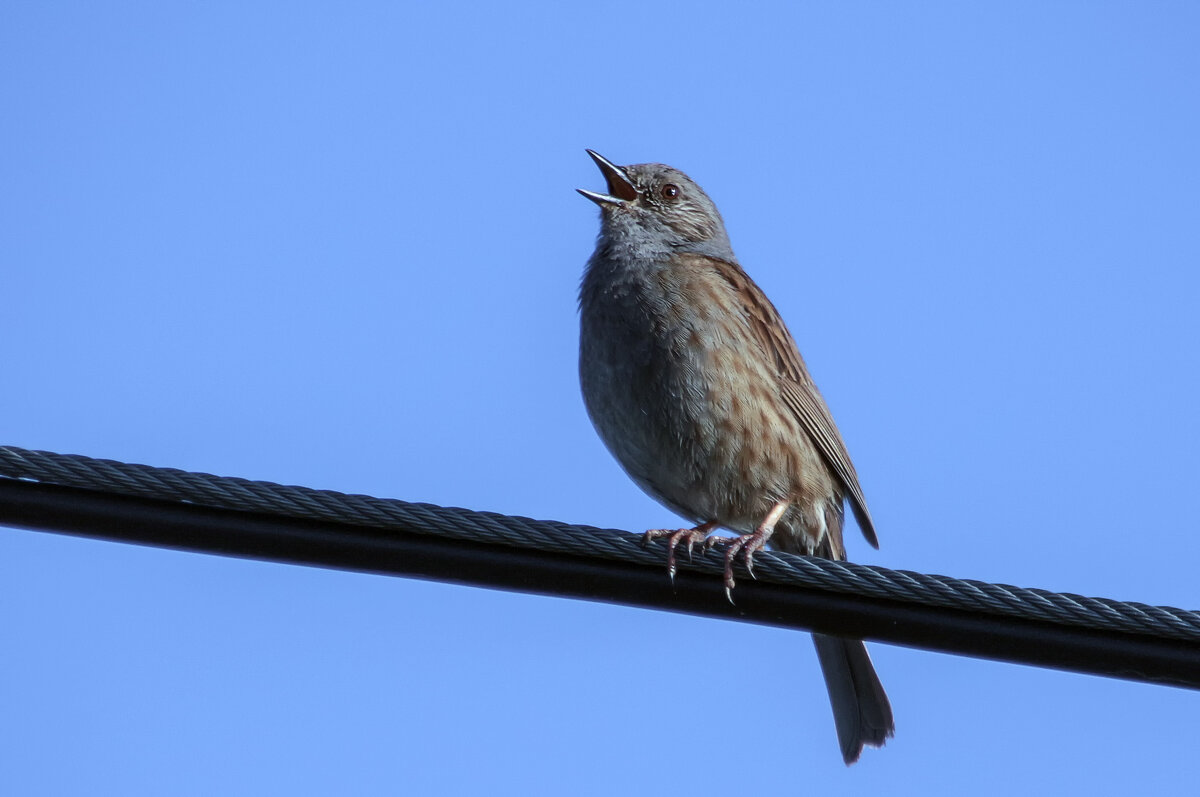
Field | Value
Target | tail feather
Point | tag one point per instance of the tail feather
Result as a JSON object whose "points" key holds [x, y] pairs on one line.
{"points": [[861, 709]]}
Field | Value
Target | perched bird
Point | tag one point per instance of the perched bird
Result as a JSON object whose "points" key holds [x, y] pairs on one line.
{"points": [[697, 388]]}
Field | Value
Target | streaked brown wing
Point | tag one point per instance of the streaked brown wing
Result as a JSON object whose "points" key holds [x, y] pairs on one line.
{"points": [[798, 389]]}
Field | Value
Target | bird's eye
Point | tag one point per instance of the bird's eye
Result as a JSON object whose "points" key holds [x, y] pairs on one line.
{"points": [[670, 191]]}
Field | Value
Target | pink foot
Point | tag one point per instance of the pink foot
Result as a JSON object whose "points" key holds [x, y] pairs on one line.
{"points": [[676, 536], [747, 544]]}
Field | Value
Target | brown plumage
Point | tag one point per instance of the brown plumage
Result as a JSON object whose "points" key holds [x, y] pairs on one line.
{"points": [[696, 386]]}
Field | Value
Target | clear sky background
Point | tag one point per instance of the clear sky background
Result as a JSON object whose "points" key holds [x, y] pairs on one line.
{"points": [[339, 247]]}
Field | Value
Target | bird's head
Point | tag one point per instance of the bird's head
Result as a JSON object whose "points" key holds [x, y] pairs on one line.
{"points": [[649, 204]]}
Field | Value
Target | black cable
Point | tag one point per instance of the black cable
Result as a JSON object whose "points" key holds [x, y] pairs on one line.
{"points": [[192, 511]]}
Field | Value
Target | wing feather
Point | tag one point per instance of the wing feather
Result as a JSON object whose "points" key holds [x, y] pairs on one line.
{"points": [[797, 388]]}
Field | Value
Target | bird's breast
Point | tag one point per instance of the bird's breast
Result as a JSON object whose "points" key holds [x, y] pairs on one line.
{"points": [[686, 399]]}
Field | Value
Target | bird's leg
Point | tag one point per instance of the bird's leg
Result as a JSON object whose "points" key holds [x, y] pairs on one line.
{"points": [[676, 536], [748, 544]]}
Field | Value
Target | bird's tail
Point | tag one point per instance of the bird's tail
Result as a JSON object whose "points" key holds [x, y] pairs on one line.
{"points": [[861, 709]]}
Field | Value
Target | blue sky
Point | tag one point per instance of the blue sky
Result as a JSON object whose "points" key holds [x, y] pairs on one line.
{"points": [[339, 247]]}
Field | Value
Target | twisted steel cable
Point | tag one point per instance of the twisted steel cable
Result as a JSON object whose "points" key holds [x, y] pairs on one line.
{"points": [[227, 493]]}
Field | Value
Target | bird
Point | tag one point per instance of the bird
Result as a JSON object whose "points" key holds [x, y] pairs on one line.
{"points": [[698, 390]]}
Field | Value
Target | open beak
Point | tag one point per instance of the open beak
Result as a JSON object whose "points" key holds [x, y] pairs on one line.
{"points": [[620, 188]]}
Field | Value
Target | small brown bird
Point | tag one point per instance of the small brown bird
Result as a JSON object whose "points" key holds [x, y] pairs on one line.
{"points": [[697, 388]]}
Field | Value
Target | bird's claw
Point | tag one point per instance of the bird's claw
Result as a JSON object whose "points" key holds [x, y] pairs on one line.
{"points": [[674, 537], [746, 544]]}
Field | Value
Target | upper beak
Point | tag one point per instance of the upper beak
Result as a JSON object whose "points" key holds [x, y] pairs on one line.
{"points": [[620, 188]]}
